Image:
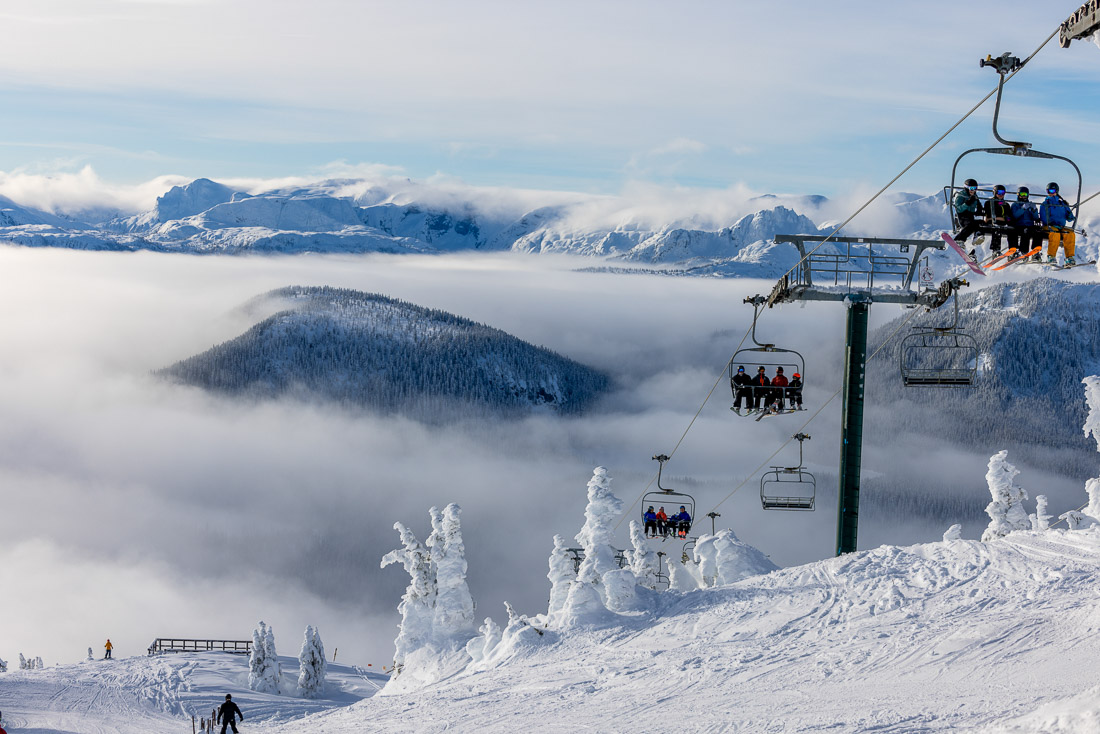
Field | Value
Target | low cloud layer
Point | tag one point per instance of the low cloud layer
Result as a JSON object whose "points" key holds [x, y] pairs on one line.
{"points": [[164, 511]]}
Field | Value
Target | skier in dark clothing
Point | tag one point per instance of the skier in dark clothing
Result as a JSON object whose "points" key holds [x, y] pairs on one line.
{"points": [[761, 388], [998, 215], [794, 391], [742, 388], [968, 212], [227, 714]]}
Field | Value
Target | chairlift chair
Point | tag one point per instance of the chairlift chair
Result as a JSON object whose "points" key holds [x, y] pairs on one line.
{"points": [[664, 495], [769, 357], [789, 487], [1004, 65], [933, 356]]}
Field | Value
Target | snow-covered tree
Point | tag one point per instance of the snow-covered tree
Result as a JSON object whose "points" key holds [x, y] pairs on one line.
{"points": [[488, 637], [562, 574], [955, 532], [38, 664], [263, 662], [706, 556], [311, 665], [90, 655], [737, 560], [1040, 520], [23, 665], [417, 604], [3, 666], [587, 594], [1073, 519], [644, 562], [454, 607], [681, 577], [1092, 426], [1006, 511]]}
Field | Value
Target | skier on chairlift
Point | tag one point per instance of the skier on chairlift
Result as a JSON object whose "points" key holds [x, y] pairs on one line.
{"points": [[683, 522], [794, 391], [1027, 232], [650, 518], [1056, 214], [662, 522], [761, 388], [742, 389], [998, 214], [779, 390], [968, 213]]}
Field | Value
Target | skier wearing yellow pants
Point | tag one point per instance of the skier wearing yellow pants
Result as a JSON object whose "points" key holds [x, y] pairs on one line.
{"points": [[1056, 215]]}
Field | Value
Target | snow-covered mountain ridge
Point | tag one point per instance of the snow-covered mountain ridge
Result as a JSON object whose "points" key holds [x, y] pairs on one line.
{"points": [[371, 351]]}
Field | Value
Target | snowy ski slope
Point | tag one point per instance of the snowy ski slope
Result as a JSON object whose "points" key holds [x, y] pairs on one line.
{"points": [[953, 636]]}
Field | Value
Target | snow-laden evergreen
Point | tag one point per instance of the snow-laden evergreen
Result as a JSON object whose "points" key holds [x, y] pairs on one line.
{"points": [[955, 532], [38, 664], [454, 607], [417, 605], [488, 637], [91, 656], [1092, 427], [3, 666], [587, 594], [705, 555], [1040, 521], [264, 672], [311, 665], [1006, 511], [738, 560], [562, 574], [644, 562], [23, 662]]}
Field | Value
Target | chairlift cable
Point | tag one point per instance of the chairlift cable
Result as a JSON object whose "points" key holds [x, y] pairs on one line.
{"points": [[1062, 519], [927, 150], [753, 473]]}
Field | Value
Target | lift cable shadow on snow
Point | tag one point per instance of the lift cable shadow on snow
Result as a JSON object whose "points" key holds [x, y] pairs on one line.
{"points": [[829, 237]]}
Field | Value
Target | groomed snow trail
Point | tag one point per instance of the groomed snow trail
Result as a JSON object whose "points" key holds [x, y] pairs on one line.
{"points": [[956, 636]]}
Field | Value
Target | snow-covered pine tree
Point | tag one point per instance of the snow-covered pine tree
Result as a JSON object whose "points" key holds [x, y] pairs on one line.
{"points": [[587, 594], [311, 665], [680, 577], [706, 556], [90, 655], [488, 637], [23, 662], [737, 560], [3, 666], [271, 659], [417, 603], [1040, 520], [643, 561], [263, 664], [562, 574], [1092, 426], [1073, 519], [955, 532], [1006, 511], [454, 607], [38, 664]]}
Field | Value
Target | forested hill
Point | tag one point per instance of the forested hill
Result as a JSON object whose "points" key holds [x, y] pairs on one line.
{"points": [[367, 350], [1036, 341]]}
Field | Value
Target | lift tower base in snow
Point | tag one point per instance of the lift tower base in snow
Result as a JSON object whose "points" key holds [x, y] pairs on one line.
{"points": [[857, 271]]}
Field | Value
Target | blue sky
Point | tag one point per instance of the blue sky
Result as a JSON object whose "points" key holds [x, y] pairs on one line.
{"points": [[582, 96]]}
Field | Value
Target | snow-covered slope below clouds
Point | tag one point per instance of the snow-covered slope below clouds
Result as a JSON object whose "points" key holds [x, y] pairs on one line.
{"points": [[940, 637]]}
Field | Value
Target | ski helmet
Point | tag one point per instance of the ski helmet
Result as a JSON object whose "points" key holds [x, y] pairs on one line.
{"points": [[999, 189], [970, 182], [1023, 192], [1053, 185]]}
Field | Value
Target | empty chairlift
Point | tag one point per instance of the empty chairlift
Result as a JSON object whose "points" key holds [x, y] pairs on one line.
{"points": [[933, 356], [789, 487]]}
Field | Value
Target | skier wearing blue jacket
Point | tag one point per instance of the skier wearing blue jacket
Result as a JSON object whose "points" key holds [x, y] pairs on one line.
{"points": [[650, 518], [1056, 214], [1027, 231]]}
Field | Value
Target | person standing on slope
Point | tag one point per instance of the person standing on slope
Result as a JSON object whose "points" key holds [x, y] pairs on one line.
{"points": [[968, 212], [227, 714], [998, 215], [108, 647], [1056, 214], [1027, 233]]}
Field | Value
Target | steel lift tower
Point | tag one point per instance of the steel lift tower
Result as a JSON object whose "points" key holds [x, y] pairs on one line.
{"points": [[857, 271]]}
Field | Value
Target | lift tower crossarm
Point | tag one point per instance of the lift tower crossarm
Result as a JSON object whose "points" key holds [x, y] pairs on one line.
{"points": [[1084, 22]]}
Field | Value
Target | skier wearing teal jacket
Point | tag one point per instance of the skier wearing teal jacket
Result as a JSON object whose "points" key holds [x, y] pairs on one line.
{"points": [[1056, 214], [968, 209]]}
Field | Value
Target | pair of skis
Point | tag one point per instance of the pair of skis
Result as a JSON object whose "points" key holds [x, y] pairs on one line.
{"points": [[998, 262]]}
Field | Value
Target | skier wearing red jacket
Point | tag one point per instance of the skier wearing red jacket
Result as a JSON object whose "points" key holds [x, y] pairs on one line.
{"points": [[779, 382]]}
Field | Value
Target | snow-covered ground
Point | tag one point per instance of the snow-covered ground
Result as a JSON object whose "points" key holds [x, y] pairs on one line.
{"points": [[947, 636], [160, 694]]}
